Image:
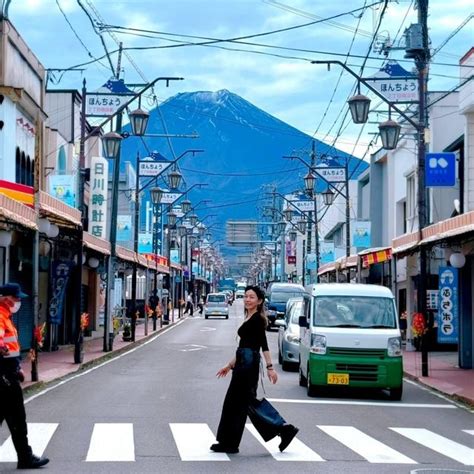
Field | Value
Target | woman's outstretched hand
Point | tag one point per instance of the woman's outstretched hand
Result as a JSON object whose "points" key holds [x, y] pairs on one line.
{"points": [[223, 372], [272, 376]]}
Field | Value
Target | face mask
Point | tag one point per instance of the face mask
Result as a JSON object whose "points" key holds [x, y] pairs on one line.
{"points": [[16, 307]]}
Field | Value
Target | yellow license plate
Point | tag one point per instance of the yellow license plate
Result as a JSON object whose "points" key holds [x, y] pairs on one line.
{"points": [[338, 379]]}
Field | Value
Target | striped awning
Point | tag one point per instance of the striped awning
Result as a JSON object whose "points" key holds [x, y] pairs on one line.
{"points": [[95, 243], [58, 210], [15, 211], [376, 256]]}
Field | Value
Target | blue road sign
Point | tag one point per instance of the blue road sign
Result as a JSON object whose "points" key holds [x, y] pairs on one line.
{"points": [[440, 169]]}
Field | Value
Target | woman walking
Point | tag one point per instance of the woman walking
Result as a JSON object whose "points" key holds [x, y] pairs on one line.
{"points": [[240, 399]]}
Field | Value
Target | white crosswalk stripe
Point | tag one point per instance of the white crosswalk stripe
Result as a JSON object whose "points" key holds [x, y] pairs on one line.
{"points": [[471, 432], [296, 451], [39, 435], [111, 442], [366, 446], [440, 444], [193, 441]]}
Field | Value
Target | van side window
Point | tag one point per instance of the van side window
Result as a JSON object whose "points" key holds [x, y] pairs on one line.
{"points": [[307, 307]]}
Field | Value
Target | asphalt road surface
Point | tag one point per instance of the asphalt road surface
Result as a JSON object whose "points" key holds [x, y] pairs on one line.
{"points": [[157, 408]]}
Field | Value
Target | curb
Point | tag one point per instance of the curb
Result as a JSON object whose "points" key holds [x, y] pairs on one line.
{"points": [[452, 396], [41, 384]]}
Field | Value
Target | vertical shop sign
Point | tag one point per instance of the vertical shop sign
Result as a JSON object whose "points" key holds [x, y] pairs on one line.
{"points": [[98, 197], [448, 309], [60, 277]]}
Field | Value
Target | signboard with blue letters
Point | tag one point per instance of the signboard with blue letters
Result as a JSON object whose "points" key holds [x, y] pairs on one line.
{"points": [[448, 308], [440, 169]]}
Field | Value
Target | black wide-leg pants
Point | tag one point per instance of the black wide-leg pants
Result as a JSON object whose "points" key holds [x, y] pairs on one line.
{"points": [[241, 400], [12, 410]]}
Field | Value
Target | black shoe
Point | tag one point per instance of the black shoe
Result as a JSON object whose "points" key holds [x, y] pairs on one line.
{"points": [[288, 432], [33, 462], [220, 448]]}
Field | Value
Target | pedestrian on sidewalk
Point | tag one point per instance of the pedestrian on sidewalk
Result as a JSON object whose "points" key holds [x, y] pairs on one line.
{"points": [[12, 407], [189, 305], [201, 304], [240, 399]]}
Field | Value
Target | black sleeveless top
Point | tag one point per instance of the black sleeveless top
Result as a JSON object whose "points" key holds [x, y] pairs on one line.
{"points": [[252, 333]]}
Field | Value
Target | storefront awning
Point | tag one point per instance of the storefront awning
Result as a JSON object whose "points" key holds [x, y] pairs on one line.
{"points": [[125, 254], [17, 212], [58, 210], [326, 268], [95, 243], [376, 255], [448, 228], [405, 242]]}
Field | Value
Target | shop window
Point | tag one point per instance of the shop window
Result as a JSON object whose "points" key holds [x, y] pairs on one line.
{"points": [[61, 160], [411, 202], [24, 168]]}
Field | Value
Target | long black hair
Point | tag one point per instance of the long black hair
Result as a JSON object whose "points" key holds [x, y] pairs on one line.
{"points": [[261, 296]]}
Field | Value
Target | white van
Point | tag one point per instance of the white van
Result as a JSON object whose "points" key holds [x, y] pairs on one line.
{"points": [[350, 337]]}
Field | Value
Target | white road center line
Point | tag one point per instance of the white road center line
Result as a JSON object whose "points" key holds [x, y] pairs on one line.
{"points": [[366, 446]]}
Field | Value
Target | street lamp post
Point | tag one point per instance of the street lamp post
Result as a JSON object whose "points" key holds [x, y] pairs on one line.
{"points": [[389, 132]]}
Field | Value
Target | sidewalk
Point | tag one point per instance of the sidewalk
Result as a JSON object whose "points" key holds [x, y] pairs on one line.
{"points": [[54, 365], [444, 375]]}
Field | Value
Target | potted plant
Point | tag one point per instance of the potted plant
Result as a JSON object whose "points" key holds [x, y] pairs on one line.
{"points": [[418, 329], [126, 334]]}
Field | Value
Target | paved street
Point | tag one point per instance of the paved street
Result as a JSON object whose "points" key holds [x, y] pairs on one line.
{"points": [[157, 407]]}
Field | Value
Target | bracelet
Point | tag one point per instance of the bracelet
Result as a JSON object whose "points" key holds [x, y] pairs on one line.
{"points": [[270, 366]]}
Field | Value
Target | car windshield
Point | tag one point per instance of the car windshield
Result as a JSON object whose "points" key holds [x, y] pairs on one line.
{"points": [[354, 311], [216, 298], [283, 296], [296, 312]]}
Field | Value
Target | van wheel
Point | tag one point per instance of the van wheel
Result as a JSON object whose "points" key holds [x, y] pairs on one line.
{"points": [[396, 393], [280, 358], [302, 379], [206, 316], [227, 317], [311, 389], [285, 366]]}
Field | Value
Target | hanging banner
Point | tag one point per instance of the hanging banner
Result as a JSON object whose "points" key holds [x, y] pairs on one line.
{"points": [[326, 252], [124, 228], [145, 242], [311, 261], [361, 234], [174, 255], [63, 187], [448, 310], [98, 197], [60, 276]]}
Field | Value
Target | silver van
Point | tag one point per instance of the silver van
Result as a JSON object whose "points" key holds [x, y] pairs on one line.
{"points": [[216, 305]]}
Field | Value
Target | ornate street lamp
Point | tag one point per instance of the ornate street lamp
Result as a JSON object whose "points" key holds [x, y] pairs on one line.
{"points": [[359, 106], [111, 145], [171, 219], [182, 230], [309, 181], [193, 219], [288, 214], [185, 206], [301, 227], [389, 133], [328, 196], [201, 230], [139, 121], [292, 235], [174, 179], [156, 194], [281, 226], [192, 240]]}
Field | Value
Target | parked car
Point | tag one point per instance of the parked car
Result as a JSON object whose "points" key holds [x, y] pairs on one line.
{"points": [[278, 296], [216, 305], [350, 337], [289, 334]]}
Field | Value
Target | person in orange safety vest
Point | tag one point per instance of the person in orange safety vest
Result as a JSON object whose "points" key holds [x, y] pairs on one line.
{"points": [[12, 408]]}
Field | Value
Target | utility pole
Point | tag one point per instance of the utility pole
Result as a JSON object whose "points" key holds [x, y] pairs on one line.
{"points": [[421, 61], [315, 200]]}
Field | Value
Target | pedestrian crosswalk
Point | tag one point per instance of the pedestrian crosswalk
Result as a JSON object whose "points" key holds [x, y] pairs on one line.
{"points": [[115, 442]]}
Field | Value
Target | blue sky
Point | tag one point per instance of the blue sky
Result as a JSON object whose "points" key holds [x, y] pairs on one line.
{"points": [[288, 87]]}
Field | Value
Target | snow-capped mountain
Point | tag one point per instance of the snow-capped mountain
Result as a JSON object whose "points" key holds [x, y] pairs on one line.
{"points": [[243, 150]]}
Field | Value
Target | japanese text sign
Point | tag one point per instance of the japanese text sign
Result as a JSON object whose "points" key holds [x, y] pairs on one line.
{"points": [[448, 317], [440, 169], [152, 168], [98, 196], [332, 174], [104, 105]]}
